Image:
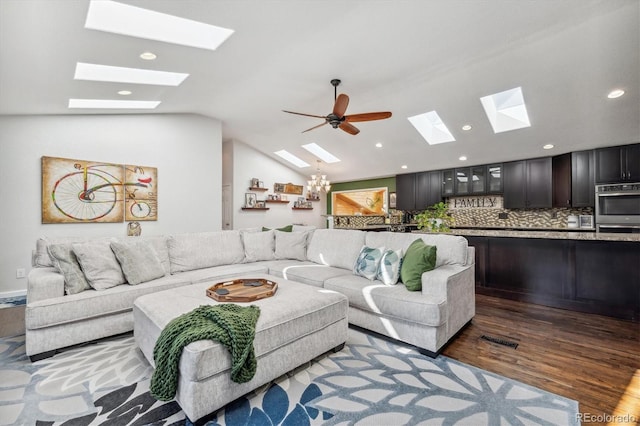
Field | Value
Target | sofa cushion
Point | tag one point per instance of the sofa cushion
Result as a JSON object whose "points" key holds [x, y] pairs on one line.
{"points": [[219, 273], [368, 262], [67, 264], [99, 264], [291, 245], [390, 301], [287, 228], [305, 272], [389, 268], [138, 260], [43, 256], [205, 249], [419, 258], [258, 246], [452, 249], [336, 247]]}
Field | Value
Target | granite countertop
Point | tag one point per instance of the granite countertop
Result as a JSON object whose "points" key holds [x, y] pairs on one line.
{"points": [[549, 234]]}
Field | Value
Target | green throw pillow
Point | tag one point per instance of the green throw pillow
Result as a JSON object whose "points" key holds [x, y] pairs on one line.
{"points": [[288, 228], [418, 259]]}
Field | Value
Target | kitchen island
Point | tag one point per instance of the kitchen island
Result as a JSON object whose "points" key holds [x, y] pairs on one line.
{"points": [[578, 270]]}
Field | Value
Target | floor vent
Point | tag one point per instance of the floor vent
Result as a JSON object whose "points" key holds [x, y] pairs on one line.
{"points": [[500, 341]]}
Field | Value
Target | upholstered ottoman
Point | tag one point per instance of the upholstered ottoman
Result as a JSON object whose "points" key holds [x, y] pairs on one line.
{"points": [[297, 324]]}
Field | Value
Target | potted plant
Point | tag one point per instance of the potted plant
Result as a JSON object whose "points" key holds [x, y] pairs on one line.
{"points": [[435, 218]]}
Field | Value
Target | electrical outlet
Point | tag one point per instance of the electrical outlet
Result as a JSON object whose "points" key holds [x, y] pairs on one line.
{"points": [[21, 273], [503, 215]]}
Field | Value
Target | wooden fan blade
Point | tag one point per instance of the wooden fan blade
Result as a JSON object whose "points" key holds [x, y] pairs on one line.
{"points": [[306, 115], [340, 107], [315, 127], [349, 128], [368, 116]]}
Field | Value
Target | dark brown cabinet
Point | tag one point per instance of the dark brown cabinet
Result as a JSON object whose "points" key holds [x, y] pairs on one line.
{"points": [[417, 191], [406, 191], [618, 164], [528, 184], [494, 179], [448, 187], [583, 179], [470, 180], [561, 171]]}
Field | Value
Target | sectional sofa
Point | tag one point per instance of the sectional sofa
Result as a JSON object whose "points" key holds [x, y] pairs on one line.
{"points": [[62, 310]]}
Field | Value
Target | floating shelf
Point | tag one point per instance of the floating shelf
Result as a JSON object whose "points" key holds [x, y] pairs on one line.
{"points": [[255, 208], [302, 208], [312, 199], [277, 201], [258, 188]]}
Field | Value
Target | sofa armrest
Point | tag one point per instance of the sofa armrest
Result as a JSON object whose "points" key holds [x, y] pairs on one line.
{"points": [[457, 284], [44, 283]]}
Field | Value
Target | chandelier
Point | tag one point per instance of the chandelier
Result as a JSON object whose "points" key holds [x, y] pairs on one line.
{"points": [[318, 182]]}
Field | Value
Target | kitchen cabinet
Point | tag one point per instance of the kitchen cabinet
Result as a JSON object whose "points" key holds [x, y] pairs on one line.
{"points": [[448, 183], [561, 172], [470, 180], [618, 164], [494, 179], [528, 184], [583, 179], [428, 189], [406, 191]]}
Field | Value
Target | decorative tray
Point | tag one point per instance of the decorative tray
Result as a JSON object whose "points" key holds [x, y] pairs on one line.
{"points": [[242, 290]]}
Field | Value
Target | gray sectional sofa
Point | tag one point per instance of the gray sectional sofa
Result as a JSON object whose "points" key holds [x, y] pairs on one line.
{"points": [[427, 319]]}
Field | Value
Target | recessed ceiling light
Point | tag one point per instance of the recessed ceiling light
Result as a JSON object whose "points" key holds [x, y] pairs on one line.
{"points": [[466, 127], [548, 146], [109, 73], [615, 93], [506, 110], [321, 153], [378, 145], [112, 104], [286, 155], [148, 56], [462, 158], [134, 21], [431, 128], [404, 166], [124, 92]]}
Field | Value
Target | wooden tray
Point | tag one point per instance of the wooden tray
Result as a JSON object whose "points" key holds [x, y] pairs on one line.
{"points": [[239, 292]]}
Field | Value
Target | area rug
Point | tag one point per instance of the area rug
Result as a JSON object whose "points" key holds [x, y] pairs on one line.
{"points": [[10, 302], [370, 382]]}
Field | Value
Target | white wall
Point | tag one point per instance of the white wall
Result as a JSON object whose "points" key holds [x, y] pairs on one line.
{"points": [[186, 149], [249, 163]]}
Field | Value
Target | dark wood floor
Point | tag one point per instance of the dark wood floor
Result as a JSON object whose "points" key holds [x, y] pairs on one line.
{"points": [[589, 358]]}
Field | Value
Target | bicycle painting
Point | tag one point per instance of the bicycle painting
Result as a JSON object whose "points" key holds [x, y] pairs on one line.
{"points": [[78, 191]]}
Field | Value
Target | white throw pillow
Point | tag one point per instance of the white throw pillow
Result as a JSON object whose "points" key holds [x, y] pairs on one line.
{"points": [[258, 246], [389, 269], [291, 245], [67, 264], [138, 260], [367, 263], [99, 264]]}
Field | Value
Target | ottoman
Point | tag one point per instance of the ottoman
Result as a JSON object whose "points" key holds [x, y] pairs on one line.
{"points": [[296, 325]]}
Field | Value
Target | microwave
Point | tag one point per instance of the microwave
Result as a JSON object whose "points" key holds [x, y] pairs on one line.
{"points": [[617, 207]]}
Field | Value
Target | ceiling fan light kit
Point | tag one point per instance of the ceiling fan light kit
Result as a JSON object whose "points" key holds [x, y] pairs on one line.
{"points": [[337, 119]]}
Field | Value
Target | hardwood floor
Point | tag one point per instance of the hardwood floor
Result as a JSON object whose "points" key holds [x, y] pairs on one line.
{"points": [[11, 321], [589, 358]]}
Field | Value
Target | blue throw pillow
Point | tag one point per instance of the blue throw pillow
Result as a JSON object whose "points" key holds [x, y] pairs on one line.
{"points": [[389, 269], [367, 262]]}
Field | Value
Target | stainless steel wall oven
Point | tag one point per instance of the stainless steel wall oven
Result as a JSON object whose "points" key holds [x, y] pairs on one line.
{"points": [[618, 207]]}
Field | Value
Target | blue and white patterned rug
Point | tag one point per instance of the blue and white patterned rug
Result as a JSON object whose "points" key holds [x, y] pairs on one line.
{"points": [[371, 381], [10, 302]]}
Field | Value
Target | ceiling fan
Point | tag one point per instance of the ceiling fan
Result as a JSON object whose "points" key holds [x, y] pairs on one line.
{"points": [[337, 119]]}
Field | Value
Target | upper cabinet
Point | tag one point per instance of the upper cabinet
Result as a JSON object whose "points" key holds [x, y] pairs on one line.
{"points": [[528, 184], [406, 191], [448, 186], [417, 191], [561, 170], [618, 164], [470, 180], [583, 179], [494, 179]]}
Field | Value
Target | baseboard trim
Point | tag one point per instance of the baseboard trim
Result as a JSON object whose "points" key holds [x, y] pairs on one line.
{"points": [[14, 293]]}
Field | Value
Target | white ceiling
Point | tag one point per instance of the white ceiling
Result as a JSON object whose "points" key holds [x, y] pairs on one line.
{"points": [[407, 57]]}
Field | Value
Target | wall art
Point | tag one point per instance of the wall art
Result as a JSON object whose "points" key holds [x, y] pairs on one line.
{"points": [[288, 188], [370, 201], [141, 193]]}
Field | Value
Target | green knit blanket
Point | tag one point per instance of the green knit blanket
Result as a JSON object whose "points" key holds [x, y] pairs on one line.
{"points": [[232, 325]]}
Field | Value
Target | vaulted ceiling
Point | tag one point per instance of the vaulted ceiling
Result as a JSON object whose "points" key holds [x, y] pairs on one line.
{"points": [[406, 56]]}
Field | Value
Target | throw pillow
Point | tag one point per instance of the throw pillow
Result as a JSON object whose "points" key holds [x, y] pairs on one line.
{"points": [[258, 246], [291, 245], [99, 264], [389, 269], [138, 260], [288, 228], [367, 262], [65, 261], [418, 259]]}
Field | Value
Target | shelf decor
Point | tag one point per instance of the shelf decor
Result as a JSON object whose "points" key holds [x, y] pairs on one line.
{"points": [[250, 200], [288, 188]]}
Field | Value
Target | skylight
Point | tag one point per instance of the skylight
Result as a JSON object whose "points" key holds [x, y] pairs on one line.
{"points": [[286, 155], [431, 128], [109, 73], [134, 21], [112, 104], [321, 153], [506, 110]]}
